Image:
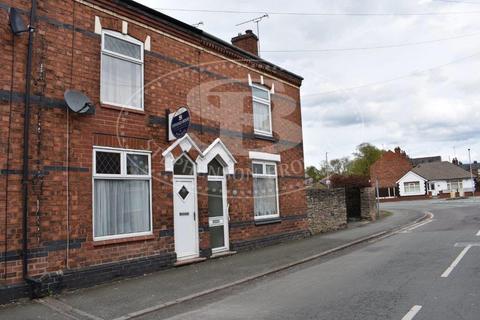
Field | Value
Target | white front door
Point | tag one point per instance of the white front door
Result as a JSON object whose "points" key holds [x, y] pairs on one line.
{"points": [[185, 217], [218, 214]]}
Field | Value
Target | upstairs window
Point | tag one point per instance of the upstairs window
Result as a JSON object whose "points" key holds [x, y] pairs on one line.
{"points": [[262, 111], [122, 71]]}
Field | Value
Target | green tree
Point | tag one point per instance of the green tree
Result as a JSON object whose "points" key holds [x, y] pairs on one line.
{"points": [[314, 173], [364, 157], [340, 166], [335, 166]]}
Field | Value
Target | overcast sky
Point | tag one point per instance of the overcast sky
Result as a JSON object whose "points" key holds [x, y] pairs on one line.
{"points": [[424, 97]]}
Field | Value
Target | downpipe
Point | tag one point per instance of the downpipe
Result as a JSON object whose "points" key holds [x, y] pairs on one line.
{"points": [[33, 284]]}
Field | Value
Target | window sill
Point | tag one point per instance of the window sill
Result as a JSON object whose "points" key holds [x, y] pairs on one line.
{"points": [[261, 222], [123, 109], [264, 137], [99, 243]]}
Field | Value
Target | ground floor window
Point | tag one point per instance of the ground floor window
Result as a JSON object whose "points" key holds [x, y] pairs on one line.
{"points": [[455, 185], [265, 190], [388, 192], [121, 194], [412, 187]]}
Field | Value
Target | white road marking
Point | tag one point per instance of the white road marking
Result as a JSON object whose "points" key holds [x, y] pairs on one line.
{"points": [[418, 225], [412, 313], [478, 233], [456, 262], [466, 244]]}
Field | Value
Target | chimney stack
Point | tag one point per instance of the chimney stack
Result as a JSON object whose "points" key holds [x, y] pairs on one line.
{"points": [[247, 42]]}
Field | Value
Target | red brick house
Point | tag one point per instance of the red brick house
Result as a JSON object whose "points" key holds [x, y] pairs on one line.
{"points": [[108, 194], [391, 166]]}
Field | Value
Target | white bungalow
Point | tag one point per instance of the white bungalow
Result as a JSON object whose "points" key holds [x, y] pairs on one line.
{"points": [[434, 178]]}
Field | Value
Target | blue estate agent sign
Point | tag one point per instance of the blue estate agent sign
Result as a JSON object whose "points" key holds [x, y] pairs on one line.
{"points": [[180, 123]]}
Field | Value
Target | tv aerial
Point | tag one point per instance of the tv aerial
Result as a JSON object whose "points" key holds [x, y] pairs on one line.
{"points": [[257, 21], [198, 24], [78, 102]]}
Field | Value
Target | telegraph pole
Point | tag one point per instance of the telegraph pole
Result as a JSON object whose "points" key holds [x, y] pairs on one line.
{"points": [[471, 172]]}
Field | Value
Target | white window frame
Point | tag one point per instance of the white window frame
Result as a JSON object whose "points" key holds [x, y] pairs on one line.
{"points": [[407, 186], [459, 184], [126, 58], [264, 174], [122, 176], [264, 102]]}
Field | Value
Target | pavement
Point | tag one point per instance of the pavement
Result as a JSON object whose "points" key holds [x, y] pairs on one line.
{"points": [[166, 293]]}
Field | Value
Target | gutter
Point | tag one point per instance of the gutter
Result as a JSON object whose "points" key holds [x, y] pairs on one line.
{"points": [[26, 146]]}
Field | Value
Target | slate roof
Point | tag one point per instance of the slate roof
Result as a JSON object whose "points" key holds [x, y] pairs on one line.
{"points": [[417, 161], [198, 33], [475, 168], [443, 170]]}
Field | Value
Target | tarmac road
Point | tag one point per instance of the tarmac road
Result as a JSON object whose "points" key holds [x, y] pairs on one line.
{"points": [[431, 271]]}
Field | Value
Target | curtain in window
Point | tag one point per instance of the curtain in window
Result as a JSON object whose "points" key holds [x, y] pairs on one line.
{"points": [[261, 117], [265, 196], [121, 206], [121, 82]]}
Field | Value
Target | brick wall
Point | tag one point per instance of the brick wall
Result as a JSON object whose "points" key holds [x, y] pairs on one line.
{"points": [[390, 168], [327, 210], [205, 76]]}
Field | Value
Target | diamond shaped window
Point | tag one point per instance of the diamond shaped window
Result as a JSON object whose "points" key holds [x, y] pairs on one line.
{"points": [[183, 192]]}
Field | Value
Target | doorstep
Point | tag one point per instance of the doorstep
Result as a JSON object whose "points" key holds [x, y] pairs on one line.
{"points": [[223, 254], [189, 261]]}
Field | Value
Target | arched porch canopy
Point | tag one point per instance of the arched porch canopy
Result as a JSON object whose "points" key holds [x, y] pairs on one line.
{"points": [[186, 144]]}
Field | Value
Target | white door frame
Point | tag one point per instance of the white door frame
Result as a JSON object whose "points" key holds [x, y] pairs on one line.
{"points": [[178, 178], [226, 229]]}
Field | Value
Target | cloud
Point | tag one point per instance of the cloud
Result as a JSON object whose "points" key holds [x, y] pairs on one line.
{"points": [[378, 95]]}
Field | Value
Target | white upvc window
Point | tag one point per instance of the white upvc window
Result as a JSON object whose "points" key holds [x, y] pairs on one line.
{"points": [[122, 193], [121, 78], [262, 111], [265, 190], [412, 187], [455, 185]]}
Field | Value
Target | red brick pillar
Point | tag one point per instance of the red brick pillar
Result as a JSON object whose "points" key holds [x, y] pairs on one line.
{"points": [[203, 232]]}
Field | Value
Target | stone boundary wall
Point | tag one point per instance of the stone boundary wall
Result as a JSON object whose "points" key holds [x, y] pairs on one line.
{"points": [[368, 205], [327, 210]]}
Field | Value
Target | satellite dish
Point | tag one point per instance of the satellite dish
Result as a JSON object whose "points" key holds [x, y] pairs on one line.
{"points": [[78, 102], [16, 22]]}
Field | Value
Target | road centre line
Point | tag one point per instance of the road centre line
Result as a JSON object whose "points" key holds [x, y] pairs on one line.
{"points": [[412, 313], [456, 261]]}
